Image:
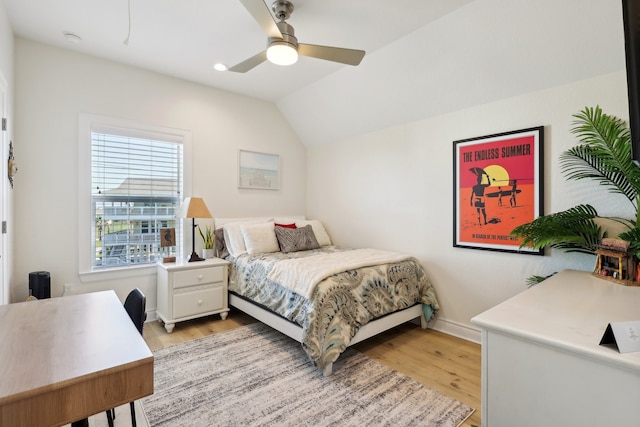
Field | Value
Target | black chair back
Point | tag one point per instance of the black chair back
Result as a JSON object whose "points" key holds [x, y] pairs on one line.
{"points": [[135, 305]]}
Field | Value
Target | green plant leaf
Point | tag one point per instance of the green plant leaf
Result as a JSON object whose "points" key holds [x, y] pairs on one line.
{"points": [[604, 154], [573, 230], [632, 236], [207, 237], [534, 280]]}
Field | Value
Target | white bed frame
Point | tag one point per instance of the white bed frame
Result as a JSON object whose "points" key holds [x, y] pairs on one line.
{"points": [[294, 331]]}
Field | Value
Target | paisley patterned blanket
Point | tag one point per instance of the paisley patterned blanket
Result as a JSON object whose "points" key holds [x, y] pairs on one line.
{"points": [[340, 304]]}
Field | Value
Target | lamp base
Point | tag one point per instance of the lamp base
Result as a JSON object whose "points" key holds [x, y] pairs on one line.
{"points": [[194, 257]]}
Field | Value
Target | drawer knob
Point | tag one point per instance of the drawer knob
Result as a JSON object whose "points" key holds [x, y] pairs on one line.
{"points": [[199, 302], [200, 277]]}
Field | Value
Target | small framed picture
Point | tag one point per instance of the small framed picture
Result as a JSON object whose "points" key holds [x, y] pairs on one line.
{"points": [[258, 170], [167, 237], [497, 186]]}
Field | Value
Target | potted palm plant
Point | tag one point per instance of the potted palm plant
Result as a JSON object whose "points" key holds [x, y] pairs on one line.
{"points": [[208, 242], [603, 154]]}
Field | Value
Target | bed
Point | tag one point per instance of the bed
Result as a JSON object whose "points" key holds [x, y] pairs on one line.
{"points": [[286, 273]]}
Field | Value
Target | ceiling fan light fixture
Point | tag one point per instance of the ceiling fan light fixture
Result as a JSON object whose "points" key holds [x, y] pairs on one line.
{"points": [[282, 53]]}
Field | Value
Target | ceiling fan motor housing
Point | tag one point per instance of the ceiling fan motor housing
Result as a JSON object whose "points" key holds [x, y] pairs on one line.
{"points": [[288, 36]]}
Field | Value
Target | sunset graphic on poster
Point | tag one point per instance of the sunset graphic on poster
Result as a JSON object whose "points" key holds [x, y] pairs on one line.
{"points": [[497, 189]]}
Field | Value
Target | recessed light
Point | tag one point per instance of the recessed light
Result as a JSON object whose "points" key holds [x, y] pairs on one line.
{"points": [[220, 67], [72, 38]]}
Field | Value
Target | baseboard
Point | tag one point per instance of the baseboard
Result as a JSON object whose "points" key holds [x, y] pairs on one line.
{"points": [[456, 329]]}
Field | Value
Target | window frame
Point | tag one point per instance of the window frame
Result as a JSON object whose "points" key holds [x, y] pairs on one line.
{"points": [[89, 123]]}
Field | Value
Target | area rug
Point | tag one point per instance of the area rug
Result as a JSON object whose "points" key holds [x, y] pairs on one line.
{"points": [[256, 376]]}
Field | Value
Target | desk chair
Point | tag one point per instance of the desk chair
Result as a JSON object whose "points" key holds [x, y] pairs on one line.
{"points": [[135, 305]]}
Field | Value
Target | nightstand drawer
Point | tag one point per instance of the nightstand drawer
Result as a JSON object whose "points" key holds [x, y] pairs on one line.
{"points": [[200, 276], [199, 301]]}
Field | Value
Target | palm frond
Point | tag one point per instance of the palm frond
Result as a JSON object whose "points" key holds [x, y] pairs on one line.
{"points": [[534, 280], [632, 236], [573, 230], [604, 154]]}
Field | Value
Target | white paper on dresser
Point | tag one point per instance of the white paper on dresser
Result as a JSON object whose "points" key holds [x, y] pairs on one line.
{"points": [[624, 335]]}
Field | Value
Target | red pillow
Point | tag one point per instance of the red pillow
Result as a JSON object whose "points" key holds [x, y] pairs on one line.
{"points": [[293, 225]]}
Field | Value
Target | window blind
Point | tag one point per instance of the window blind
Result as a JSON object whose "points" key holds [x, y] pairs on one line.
{"points": [[136, 190], [135, 168]]}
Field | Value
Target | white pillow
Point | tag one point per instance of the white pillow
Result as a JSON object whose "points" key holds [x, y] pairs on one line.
{"points": [[233, 238], [318, 229], [260, 238]]}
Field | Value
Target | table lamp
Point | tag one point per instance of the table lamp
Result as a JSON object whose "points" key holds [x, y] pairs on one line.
{"points": [[194, 207]]}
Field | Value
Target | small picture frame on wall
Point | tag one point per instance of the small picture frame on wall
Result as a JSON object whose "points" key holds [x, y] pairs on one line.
{"points": [[258, 170], [497, 186]]}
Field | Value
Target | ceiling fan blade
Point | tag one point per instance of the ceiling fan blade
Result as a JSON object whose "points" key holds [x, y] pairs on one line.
{"points": [[248, 64], [260, 12], [335, 54]]}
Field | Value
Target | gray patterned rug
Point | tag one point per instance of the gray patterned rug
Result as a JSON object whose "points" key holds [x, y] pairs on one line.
{"points": [[256, 376]]}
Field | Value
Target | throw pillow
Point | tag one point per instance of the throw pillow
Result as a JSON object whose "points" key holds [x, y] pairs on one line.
{"points": [[292, 225], [296, 239], [318, 229], [259, 238], [219, 245]]}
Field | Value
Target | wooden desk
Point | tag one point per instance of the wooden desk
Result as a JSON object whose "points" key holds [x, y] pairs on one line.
{"points": [[64, 359], [542, 364]]}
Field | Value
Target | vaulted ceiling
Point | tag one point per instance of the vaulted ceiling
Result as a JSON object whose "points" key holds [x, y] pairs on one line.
{"points": [[424, 57]]}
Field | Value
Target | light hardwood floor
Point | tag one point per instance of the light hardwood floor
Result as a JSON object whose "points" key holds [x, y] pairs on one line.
{"points": [[440, 361]]}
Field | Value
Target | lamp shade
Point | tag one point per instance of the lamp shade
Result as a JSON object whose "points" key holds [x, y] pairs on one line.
{"points": [[194, 207]]}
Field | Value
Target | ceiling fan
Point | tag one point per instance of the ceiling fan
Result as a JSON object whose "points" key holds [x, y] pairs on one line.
{"points": [[282, 45]]}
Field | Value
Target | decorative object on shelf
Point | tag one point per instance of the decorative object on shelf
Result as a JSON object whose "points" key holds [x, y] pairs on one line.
{"points": [[258, 170], [207, 242], [168, 240], [604, 155], [498, 185], [194, 207], [12, 166], [614, 262]]}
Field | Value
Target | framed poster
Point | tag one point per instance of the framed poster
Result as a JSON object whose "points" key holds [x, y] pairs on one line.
{"points": [[497, 186], [258, 170]]}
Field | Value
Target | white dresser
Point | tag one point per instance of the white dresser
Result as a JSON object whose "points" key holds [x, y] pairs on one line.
{"points": [[187, 290], [542, 364]]}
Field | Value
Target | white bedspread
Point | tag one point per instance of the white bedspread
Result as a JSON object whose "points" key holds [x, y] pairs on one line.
{"points": [[301, 275]]}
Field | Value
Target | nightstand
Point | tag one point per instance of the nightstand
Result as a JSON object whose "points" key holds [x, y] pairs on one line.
{"points": [[188, 290]]}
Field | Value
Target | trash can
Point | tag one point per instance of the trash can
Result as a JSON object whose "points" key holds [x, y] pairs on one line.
{"points": [[40, 284]]}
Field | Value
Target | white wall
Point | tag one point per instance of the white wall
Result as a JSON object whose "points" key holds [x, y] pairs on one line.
{"points": [[393, 189], [54, 86], [483, 52]]}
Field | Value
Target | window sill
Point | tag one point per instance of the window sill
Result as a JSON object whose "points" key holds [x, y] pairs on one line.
{"points": [[117, 273]]}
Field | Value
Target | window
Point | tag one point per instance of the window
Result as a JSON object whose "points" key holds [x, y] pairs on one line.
{"points": [[137, 188]]}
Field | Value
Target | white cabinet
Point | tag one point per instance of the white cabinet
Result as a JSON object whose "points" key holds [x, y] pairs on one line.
{"points": [[542, 364], [187, 290]]}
